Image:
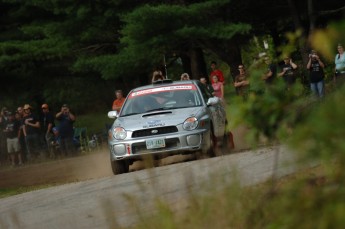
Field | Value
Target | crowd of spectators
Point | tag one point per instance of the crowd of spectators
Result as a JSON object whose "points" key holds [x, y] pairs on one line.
{"points": [[27, 134]]}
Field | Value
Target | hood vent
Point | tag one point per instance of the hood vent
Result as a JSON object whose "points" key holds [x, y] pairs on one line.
{"points": [[157, 113]]}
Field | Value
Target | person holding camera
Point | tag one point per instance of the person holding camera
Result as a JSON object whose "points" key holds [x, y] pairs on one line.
{"points": [[66, 119], [47, 124], [339, 75], [288, 71], [315, 67]]}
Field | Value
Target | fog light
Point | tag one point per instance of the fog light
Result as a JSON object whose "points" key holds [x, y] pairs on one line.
{"points": [[119, 150], [193, 140]]}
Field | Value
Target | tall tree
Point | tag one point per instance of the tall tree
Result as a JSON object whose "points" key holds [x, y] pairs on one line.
{"points": [[151, 31]]}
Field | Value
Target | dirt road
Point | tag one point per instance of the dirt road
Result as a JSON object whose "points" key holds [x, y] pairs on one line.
{"points": [[83, 167], [114, 200], [67, 170]]}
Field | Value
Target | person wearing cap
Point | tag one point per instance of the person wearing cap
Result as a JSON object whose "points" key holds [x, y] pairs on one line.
{"points": [[47, 123], [12, 137], [242, 82], [31, 130], [288, 71], [66, 119], [315, 67]]}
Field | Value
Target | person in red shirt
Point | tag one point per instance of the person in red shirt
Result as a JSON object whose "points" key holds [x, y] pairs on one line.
{"points": [[216, 72], [118, 102]]}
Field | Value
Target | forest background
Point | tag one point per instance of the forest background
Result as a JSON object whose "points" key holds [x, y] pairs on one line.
{"points": [[80, 52]]}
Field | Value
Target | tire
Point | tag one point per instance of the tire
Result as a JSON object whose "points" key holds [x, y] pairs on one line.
{"points": [[120, 167], [228, 143], [213, 145]]}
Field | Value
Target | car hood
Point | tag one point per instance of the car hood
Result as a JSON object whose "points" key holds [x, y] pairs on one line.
{"points": [[158, 118]]}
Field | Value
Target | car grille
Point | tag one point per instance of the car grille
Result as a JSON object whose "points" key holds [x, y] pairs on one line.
{"points": [[169, 144], [150, 132]]}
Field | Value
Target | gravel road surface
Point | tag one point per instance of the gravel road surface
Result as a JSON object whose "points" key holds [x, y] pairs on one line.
{"points": [[113, 201]]}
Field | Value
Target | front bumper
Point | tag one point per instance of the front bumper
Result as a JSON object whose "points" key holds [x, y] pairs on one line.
{"points": [[176, 143]]}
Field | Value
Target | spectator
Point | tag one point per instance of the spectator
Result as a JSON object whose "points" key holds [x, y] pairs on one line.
{"points": [[31, 131], [12, 135], [20, 117], [185, 76], [56, 136], [218, 87], [315, 67], [216, 72], [287, 72], [203, 80], [47, 123], [3, 147], [271, 73], [55, 143], [241, 82], [118, 102], [157, 75], [66, 119], [339, 66]]}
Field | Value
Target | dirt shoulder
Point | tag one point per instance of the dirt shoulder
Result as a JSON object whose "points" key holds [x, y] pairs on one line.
{"points": [[78, 168]]}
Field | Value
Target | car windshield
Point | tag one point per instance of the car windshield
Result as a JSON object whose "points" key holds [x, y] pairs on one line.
{"points": [[161, 98]]}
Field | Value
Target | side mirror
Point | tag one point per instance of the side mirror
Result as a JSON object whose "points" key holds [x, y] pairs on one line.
{"points": [[113, 114], [213, 101]]}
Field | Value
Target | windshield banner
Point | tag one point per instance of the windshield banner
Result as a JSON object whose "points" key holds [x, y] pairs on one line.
{"points": [[163, 89]]}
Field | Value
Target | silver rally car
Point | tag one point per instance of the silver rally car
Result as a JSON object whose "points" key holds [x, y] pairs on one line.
{"points": [[165, 118]]}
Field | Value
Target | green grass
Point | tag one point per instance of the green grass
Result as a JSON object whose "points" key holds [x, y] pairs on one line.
{"points": [[265, 205], [7, 192]]}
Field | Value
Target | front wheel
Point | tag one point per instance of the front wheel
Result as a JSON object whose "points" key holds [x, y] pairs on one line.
{"points": [[119, 167], [228, 142], [212, 150]]}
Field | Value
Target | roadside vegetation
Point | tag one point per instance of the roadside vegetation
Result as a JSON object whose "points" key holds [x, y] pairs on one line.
{"points": [[7, 192]]}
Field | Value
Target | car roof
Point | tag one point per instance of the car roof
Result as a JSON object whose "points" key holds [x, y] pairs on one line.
{"points": [[165, 83]]}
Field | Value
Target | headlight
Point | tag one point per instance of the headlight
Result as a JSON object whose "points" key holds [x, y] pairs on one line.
{"points": [[190, 123], [119, 133]]}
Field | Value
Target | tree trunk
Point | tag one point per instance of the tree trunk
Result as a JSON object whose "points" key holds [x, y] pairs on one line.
{"points": [[233, 58], [197, 64], [303, 49], [186, 63]]}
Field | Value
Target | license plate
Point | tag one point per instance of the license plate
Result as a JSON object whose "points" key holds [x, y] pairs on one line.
{"points": [[155, 143]]}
